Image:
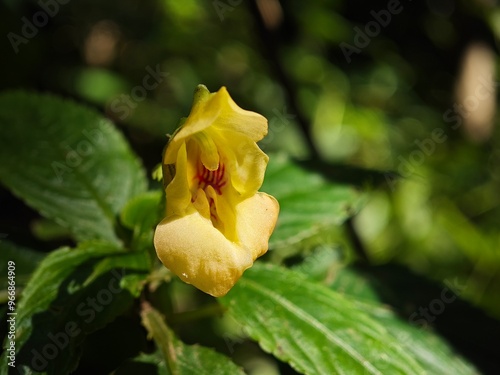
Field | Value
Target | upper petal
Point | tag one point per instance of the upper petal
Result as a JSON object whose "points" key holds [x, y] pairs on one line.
{"points": [[245, 161], [235, 119], [217, 110], [209, 154], [178, 190]]}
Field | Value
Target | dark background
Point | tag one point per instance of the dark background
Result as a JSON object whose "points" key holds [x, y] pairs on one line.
{"points": [[376, 108]]}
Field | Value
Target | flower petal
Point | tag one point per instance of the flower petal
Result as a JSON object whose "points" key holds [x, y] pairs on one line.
{"points": [[177, 191], [202, 115], [217, 223], [199, 254], [245, 161], [208, 151], [220, 111], [235, 119], [257, 218], [224, 218]]}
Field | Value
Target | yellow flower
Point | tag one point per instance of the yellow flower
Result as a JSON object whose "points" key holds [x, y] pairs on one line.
{"points": [[217, 223]]}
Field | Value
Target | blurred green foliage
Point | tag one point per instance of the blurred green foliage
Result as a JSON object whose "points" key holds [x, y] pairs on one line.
{"points": [[439, 220]]}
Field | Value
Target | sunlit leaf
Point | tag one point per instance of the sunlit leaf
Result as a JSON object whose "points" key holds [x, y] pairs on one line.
{"points": [[25, 261], [67, 162], [319, 331], [71, 294], [182, 359], [144, 364], [309, 203]]}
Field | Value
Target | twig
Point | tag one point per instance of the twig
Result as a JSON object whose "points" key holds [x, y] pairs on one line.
{"points": [[270, 47], [356, 242]]}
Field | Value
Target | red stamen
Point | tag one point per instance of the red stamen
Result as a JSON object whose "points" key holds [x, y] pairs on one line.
{"points": [[215, 179]]}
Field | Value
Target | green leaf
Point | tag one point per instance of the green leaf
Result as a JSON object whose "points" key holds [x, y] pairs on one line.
{"points": [[412, 297], [141, 215], [48, 230], [348, 282], [72, 293], [180, 358], [26, 260], [321, 263], [309, 202], [428, 349], [143, 212], [325, 264], [319, 331], [67, 162], [144, 364]]}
